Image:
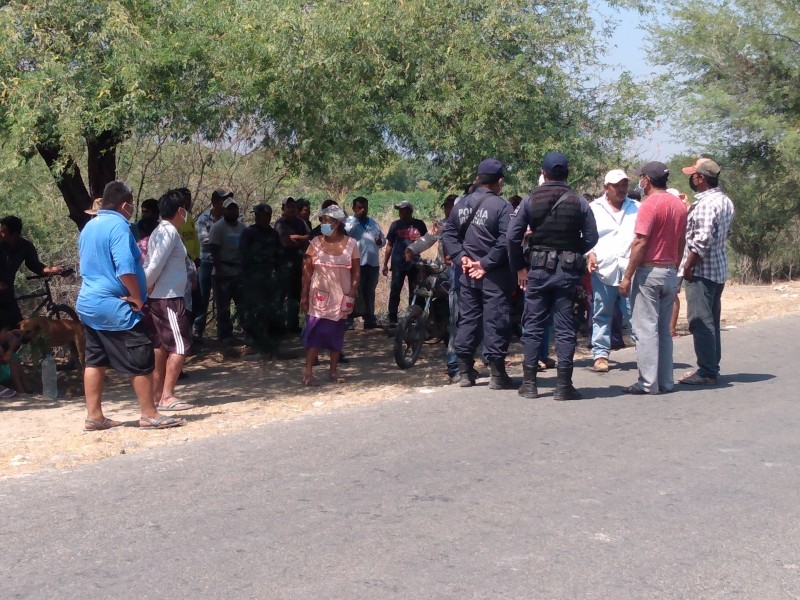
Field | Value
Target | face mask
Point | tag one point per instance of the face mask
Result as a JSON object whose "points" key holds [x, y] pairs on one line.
{"points": [[326, 229], [692, 183], [639, 188]]}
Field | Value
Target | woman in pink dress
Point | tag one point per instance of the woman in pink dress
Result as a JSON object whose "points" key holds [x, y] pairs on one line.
{"points": [[330, 284]]}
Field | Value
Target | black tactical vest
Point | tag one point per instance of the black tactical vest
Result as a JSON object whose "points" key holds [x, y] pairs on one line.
{"points": [[562, 231]]}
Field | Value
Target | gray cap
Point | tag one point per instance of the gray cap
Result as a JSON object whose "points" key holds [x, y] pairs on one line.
{"points": [[333, 211], [404, 204]]}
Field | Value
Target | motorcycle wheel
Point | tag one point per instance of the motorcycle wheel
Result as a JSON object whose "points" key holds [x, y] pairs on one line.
{"points": [[409, 337]]}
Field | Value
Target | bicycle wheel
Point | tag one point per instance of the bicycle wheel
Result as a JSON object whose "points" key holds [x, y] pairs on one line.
{"points": [[72, 356], [61, 312], [409, 337]]}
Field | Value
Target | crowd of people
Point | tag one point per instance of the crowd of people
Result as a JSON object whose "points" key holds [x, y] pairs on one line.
{"points": [[146, 287]]}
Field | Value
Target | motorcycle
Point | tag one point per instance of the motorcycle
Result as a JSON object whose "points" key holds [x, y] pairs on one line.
{"points": [[427, 316]]}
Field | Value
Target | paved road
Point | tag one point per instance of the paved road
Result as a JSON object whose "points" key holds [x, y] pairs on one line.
{"points": [[457, 494]]}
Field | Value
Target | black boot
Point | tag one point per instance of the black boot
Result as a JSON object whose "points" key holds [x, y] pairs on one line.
{"points": [[564, 388], [500, 379], [466, 371], [528, 388]]}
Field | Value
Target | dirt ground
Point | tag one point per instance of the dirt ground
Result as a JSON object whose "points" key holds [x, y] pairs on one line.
{"points": [[234, 392]]}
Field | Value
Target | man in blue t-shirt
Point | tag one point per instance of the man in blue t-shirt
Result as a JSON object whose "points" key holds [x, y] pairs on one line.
{"points": [[402, 232], [110, 307]]}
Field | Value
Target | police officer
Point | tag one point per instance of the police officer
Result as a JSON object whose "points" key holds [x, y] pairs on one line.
{"points": [[563, 230], [475, 237]]}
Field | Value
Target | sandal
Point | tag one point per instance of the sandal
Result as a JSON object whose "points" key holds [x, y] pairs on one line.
{"points": [[174, 406], [7, 392], [160, 422], [335, 378], [91, 425], [310, 381]]}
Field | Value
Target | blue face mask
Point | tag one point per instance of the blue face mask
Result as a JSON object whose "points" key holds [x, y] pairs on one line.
{"points": [[326, 229]]}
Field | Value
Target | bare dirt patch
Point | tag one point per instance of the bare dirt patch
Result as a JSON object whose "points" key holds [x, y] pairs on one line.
{"points": [[234, 393]]}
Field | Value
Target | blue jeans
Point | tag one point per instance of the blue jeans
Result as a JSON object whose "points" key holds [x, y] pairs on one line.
{"points": [[453, 299], [204, 282], [703, 310], [652, 296], [606, 297]]}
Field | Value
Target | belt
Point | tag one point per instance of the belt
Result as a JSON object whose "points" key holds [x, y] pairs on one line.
{"points": [[657, 265]]}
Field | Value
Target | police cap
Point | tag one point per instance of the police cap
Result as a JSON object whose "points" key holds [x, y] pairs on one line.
{"points": [[490, 166], [555, 163]]}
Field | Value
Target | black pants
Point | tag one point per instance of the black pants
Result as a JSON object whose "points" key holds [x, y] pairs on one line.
{"points": [[225, 290], [550, 292], [485, 313], [396, 288]]}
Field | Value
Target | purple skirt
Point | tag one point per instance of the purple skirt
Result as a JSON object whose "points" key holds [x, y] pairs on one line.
{"points": [[324, 334]]}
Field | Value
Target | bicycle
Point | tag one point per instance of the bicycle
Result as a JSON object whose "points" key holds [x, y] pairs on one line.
{"points": [[54, 310], [420, 323]]}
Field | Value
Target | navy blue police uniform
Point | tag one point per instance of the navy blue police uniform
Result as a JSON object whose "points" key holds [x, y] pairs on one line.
{"points": [[484, 305], [563, 230]]}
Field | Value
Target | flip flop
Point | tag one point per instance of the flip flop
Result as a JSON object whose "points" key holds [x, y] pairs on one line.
{"points": [[7, 392], [160, 422], [91, 425], [336, 378], [174, 406], [310, 381]]}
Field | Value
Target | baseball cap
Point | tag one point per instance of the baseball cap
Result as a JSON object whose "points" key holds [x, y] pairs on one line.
{"points": [[220, 194], [404, 204], [334, 211], [615, 176], [490, 166], [287, 200], [229, 202], [703, 166], [262, 208], [95, 207], [555, 162], [674, 192], [654, 170]]}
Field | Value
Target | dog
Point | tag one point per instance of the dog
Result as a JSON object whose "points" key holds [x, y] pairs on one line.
{"points": [[56, 332]]}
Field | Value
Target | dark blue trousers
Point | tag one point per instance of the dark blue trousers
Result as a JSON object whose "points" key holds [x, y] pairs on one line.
{"points": [[485, 314], [550, 292]]}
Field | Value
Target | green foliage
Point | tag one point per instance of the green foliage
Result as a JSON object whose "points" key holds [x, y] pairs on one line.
{"points": [[735, 73]]}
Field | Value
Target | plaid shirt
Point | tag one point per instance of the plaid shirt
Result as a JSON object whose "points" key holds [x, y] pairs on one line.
{"points": [[707, 229]]}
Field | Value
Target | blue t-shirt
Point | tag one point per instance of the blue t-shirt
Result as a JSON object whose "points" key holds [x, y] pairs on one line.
{"points": [[107, 250]]}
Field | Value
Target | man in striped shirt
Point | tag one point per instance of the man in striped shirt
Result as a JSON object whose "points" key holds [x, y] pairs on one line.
{"points": [[705, 267]]}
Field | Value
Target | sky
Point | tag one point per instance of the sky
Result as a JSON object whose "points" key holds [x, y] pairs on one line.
{"points": [[626, 51]]}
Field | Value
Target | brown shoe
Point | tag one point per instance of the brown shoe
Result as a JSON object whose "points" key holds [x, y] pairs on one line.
{"points": [[601, 365]]}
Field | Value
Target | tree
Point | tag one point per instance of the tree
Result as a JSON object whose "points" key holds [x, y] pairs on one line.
{"points": [[340, 87], [735, 77], [79, 78]]}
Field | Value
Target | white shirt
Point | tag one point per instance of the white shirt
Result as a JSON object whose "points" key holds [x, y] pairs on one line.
{"points": [[166, 262], [616, 233]]}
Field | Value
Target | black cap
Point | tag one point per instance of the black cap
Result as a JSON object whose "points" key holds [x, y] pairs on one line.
{"points": [[262, 208], [287, 200], [220, 194], [490, 166], [555, 163], [654, 170]]}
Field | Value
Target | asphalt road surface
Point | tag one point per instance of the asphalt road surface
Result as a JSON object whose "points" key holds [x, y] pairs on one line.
{"points": [[452, 494]]}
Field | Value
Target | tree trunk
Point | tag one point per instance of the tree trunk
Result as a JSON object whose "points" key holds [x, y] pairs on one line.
{"points": [[70, 182], [102, 161]]}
